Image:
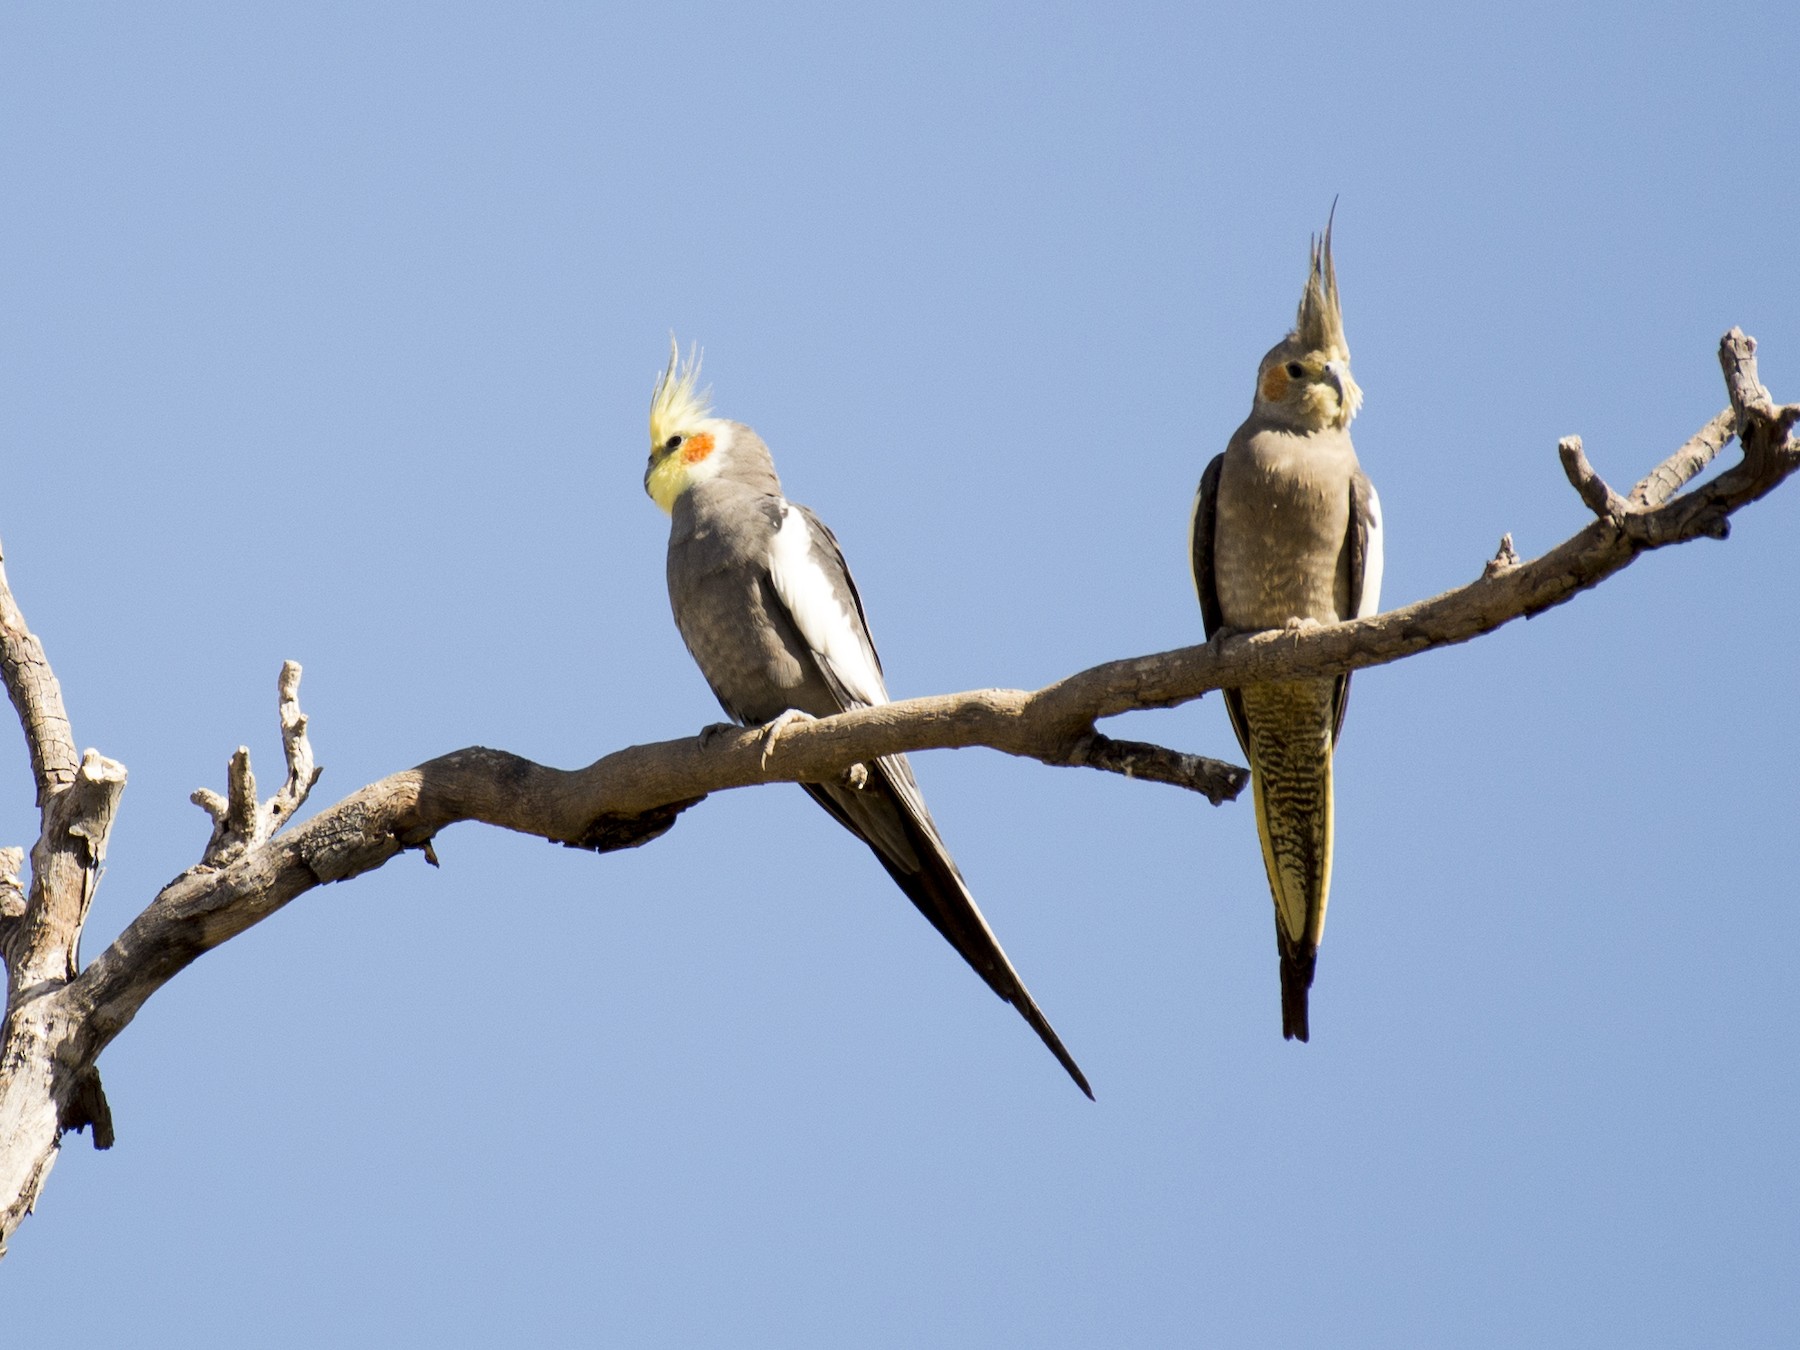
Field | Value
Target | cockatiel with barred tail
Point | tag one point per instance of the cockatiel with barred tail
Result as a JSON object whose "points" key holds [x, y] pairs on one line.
{"points": [[1287, 531], [766, 606]]}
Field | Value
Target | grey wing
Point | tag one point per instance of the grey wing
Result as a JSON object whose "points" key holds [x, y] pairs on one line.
{"points": [[1200, 545], [1201, 541], [1363, 561], [888, 813], [1363, 549]]}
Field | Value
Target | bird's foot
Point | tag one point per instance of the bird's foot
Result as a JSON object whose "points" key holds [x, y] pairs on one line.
{"points": [[713, 730], [1301, 623], [856, 777], [772, 729]]}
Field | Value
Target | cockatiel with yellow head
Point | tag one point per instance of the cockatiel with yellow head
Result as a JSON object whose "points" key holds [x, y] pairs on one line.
{"points": [[1286, 531], [766, 606]]}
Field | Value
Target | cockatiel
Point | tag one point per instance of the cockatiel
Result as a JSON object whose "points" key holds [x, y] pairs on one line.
{"points": [[1286, 531], [768, 609]]}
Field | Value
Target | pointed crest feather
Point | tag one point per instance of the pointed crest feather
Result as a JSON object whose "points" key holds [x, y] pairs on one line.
{"points": [[1320, 323], [677, 401]]}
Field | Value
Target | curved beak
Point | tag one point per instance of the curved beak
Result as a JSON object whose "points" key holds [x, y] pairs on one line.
{"points": [[1350, 395]]}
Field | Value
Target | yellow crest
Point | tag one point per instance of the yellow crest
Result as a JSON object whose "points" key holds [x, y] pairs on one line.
{"points": [[678, 403]]}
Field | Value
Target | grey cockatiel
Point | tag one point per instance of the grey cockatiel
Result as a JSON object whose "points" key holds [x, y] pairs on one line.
{"points": [[768, 609], [1286, 530]]}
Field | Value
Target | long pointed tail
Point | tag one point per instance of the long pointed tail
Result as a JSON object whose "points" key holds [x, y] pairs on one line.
{"points": [[1290, 726], [1296, 981], [889, 815]]}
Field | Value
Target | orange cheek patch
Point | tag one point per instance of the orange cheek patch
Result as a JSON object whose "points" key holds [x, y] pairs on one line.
{"points": [[696, 448], [1274, 384]]}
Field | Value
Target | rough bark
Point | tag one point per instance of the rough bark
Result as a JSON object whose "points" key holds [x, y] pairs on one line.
{"points": [[58, 1020]]}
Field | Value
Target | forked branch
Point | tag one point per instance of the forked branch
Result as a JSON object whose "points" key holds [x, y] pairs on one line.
{"points": [[239, 821], [58, 1021]]}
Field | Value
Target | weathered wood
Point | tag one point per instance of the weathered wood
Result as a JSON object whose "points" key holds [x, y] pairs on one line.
{"points": [[48, 1086], [58, 1021], [37, 697]]}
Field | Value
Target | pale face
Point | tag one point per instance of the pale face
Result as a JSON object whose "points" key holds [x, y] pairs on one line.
{"points": [[688, 455], [1307, 390]]}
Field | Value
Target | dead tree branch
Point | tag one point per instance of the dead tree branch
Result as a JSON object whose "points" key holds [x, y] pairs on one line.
{"points": [[37, 697], [43, 1091], [239, 821], [58, 1021]]}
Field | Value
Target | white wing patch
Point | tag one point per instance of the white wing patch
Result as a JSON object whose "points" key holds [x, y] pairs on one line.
{"points": [[1372, 561], [834, 633]]}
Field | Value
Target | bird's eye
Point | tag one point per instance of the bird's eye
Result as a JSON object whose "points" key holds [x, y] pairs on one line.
{"points": [[674, 443], [1295, 370]]}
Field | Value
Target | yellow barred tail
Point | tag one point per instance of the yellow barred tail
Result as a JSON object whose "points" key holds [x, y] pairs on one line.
{"points": [[1290, 760]]}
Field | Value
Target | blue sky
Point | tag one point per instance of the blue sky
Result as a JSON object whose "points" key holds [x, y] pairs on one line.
{"points": [[329, 335]]}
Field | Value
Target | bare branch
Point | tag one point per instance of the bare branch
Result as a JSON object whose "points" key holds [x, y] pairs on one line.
{"points": [[12, 893], [1737, 358], [302, 772], [12, 890], [1687, 463], [57, 1030], [635, 794], [1218, 781], [76, 802], [211, 803], [44, 1090], [239, 822], [1764, 430], [46, 1087], [1600, 498], [37, 698], [65, 869], [240, 797], [1504, 560]]}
